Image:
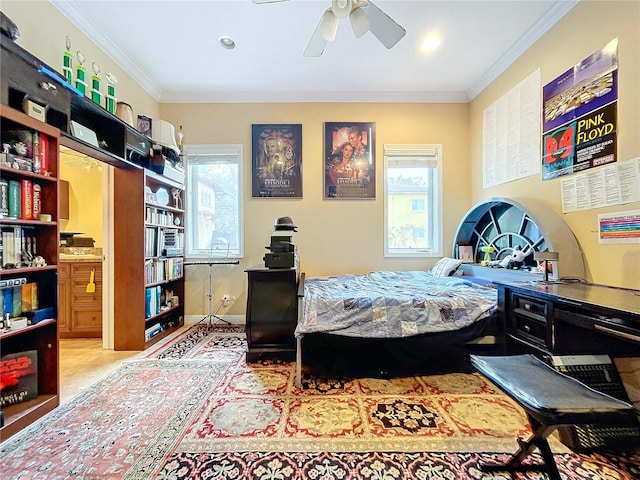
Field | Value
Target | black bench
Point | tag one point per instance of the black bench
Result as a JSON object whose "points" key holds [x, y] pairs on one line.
{"points": [[550, 400]]}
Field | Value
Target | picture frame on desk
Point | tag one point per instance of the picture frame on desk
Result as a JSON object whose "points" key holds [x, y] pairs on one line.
{"points": [[144, 125], [465, 253]]}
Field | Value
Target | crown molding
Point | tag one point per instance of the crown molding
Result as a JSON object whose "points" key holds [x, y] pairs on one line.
{"points": [[313, 97], [129, 66], [548, 20]]}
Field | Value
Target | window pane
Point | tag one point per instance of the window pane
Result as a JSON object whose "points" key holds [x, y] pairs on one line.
{"points": [[407, 188], [214, 209], [412, 201]]}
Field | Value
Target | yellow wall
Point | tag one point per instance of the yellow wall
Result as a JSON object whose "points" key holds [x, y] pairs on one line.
{"points": [[85, 198], [588, 27], [333, 236], [43, 32]]}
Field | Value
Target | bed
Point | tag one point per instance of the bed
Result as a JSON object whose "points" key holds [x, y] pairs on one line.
{"points": [[388, 305], [439, 307]]}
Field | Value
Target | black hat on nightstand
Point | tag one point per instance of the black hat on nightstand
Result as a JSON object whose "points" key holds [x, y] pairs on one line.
{"points": [[284, 223]]}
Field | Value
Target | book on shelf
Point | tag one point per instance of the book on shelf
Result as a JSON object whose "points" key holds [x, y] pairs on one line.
{"points": [[18, 242], [163, 269], [150, 241], [37, 200], [17, 301], [156, 216], [20, 199], [26, 196], [29, 297], [152, 301], [166, 242], [13, 299], [4, 197], [19, 372], [152, 331], [7, 302], [15, 203]]}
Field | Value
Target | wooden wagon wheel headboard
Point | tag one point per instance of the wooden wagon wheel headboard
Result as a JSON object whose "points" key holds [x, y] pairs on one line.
{"points": [[504, 223]]}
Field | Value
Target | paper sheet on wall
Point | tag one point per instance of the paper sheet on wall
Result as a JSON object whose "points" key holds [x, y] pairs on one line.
{"points": [[619, 227], [511, 134], [600, 187]]}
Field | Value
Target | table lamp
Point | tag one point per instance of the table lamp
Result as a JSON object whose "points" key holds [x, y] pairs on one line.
{"points": [[546, 257]]}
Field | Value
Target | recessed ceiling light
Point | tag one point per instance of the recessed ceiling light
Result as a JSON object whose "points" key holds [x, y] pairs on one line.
{"points": [[227, 42], [430, 43]]}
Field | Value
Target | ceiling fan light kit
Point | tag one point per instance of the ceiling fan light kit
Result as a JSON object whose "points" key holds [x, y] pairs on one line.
{"points": [[364, 17]]}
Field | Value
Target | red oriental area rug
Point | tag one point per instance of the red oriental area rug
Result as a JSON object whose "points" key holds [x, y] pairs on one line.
{"points": [[193, 409]]}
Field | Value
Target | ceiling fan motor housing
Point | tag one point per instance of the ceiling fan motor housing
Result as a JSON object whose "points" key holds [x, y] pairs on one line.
{"points": [[342, 8]]}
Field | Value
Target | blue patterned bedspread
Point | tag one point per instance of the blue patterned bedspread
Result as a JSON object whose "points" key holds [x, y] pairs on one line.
{"points": [[392, 304]]}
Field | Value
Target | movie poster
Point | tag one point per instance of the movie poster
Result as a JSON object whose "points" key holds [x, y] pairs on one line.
{"points": [[349, 160], [580, 115], [277, 161]]}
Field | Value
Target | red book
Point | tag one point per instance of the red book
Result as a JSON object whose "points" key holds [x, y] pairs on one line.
{"points": [[27, 199], [37, 200]]}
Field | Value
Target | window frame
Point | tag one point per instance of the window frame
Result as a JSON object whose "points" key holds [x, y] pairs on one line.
{"points": [[232, 153], [431, 155]]}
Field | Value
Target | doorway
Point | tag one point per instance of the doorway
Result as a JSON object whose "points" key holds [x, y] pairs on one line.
{"points": [[84, 248]]}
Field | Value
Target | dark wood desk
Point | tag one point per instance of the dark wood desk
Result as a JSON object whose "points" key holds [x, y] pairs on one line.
{"points": [[575, 319], [569, 319]]}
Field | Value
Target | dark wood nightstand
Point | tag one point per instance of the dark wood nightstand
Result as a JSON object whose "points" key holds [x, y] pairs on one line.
{"points": [[272, 311]]}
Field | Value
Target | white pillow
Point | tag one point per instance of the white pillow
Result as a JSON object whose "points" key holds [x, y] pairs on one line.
{"points": [[445, 267]]}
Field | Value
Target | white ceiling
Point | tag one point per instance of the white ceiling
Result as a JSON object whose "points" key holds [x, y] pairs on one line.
{"points": [[171, 47]]}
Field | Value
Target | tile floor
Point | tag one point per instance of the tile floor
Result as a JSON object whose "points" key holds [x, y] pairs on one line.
{"points": [[83, 362]]}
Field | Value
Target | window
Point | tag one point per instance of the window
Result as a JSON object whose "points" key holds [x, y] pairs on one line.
{"points": [[214, 196], [412, 201], [417, 205]]}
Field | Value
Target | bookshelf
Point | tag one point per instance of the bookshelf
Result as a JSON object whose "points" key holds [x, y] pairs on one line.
{"points": [[41, 239], [149, 246]]}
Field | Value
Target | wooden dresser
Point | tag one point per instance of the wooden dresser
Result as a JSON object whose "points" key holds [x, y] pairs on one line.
{"points": [[80, 311]]}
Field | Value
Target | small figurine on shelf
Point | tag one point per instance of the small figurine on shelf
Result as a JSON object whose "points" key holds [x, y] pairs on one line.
{"points": [[487, 250], [80, 83], [95, 84], [180, 138], [177, 199], [110, 103], [67, 62]]}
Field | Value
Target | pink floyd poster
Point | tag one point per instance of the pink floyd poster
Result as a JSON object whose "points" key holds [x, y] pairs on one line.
{"points": [[349, 160], [277, 161], [580, 115]]}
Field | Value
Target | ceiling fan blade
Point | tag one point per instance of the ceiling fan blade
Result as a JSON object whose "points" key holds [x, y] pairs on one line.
{"points": [[359, 21], [329, 25], [385, 28], [316, 44]]}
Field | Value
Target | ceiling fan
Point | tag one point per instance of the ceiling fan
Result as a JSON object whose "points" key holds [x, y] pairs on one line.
{"points": [[364, 17]]}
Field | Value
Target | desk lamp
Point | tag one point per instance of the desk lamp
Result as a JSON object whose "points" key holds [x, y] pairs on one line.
{"points": [[546, 257]]}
